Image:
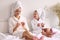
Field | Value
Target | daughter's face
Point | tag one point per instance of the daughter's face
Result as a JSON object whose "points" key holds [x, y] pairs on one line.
{"points": [[35, 15]]}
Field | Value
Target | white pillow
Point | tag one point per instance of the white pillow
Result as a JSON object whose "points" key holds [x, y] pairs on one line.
{"points": [[52, 19]]}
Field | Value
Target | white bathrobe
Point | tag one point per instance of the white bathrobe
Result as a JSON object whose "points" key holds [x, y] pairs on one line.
{"points": [[13, 20], [37, 30], [12, 23]]}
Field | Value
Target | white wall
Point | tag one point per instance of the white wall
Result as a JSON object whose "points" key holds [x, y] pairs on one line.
{"points": [[28, 5]]}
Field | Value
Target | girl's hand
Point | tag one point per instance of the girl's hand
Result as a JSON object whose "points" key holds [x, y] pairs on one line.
{"points": [[42, 24], [38, 24]]}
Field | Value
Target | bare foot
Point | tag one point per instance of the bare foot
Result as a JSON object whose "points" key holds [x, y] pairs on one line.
{"points": [[41, 38], [35, 38]]}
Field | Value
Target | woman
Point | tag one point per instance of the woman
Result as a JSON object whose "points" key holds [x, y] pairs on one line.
{"points": [[18, 24]]}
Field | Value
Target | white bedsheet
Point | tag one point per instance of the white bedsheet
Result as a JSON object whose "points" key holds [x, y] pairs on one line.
{"points": [[8, 37], [55, 37]]}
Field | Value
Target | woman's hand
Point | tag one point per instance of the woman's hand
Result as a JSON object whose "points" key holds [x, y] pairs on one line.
{"points": [[23, 24], [24, 27], [17, 25]]}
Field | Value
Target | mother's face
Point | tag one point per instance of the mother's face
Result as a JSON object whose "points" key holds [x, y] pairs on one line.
{"points": [[18, 11]]}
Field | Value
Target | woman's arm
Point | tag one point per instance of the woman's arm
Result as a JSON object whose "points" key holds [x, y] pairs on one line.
{"points": [[17, 25], [23, 25]]}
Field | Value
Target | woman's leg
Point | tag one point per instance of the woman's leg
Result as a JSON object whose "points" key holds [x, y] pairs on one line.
{"points": [[27, 35]]}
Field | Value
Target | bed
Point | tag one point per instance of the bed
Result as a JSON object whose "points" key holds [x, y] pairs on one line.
{"points": [[50, 16]]}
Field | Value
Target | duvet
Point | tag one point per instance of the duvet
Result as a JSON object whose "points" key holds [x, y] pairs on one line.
{"points": [[8, 37]]}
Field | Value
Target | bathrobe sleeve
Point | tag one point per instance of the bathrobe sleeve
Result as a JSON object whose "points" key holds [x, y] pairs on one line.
{"points": [[10, 26]]}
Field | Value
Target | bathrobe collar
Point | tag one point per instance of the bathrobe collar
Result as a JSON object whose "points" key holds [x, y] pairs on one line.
{"points": [[16, 18], [35, 19]]}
